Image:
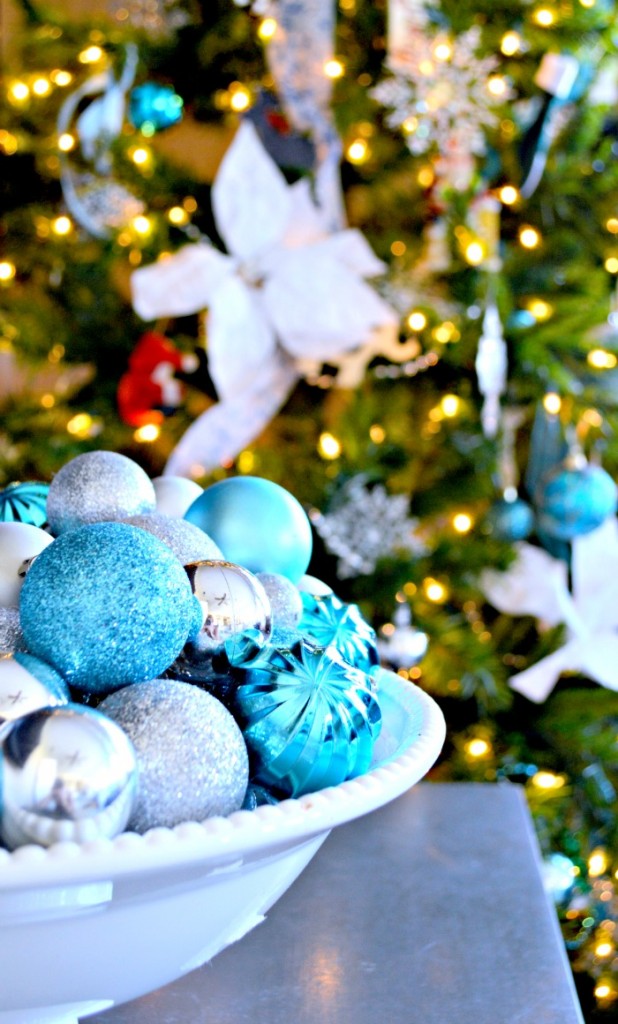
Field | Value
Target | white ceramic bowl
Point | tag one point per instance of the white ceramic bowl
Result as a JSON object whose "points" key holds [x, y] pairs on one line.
{"points": [[83, 927]]}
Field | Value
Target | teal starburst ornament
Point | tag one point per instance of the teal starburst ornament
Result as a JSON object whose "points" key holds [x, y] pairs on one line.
{"points": [[309, 719], [24, 503], [329, 621]]}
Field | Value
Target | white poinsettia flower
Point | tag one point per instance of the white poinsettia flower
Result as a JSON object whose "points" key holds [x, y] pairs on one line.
{"points": [[537, 584], [284, 284]]}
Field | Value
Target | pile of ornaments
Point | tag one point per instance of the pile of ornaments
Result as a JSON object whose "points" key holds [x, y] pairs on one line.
{"points": [[164, 657]]}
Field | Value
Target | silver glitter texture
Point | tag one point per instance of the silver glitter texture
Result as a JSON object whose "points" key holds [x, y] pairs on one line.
{"points": [[11, 635], [192, 758], [286, 604], [187, 541], [98, 487]]}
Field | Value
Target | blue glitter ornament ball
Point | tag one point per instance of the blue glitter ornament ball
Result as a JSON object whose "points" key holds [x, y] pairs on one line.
{"points": [[575, 499], [24, 503], [257, 524], [154, 106], [108, 605], [328, 620], [309, 719]]}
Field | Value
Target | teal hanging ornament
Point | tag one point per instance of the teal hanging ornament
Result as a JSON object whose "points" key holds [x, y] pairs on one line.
{"points": [[329, 621], [24, 503], [509, 518], [309, 719], [154, 107], [575, 498], [548, 446]]}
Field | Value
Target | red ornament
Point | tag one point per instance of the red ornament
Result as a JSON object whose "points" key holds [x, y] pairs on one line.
{"points": [[149, 391]]}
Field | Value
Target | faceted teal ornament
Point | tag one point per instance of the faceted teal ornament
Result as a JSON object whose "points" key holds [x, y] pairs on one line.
{"points": [[328, 620], [509, 520], [24, 503], [154, 106], [575, 499], [309, 719], [257, 524]]}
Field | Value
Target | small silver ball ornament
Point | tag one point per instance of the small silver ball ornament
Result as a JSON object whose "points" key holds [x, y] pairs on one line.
{"points": [[28, 684], [68, 774], [96, 487], [236, 617], [188, 542], [285, 600], [192, 757]]}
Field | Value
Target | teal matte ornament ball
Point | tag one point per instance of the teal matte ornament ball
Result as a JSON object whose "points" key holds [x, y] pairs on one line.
{"points": [[574, 500], [154, 106], [509, 520], [109, 605], [257, 524]]}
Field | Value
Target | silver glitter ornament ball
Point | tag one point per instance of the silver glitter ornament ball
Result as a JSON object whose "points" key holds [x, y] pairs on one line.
{"points": [[192, 758], [68, 774], [285, 601], [236, 617], [11, 634], [188, 542], [98, 487]]}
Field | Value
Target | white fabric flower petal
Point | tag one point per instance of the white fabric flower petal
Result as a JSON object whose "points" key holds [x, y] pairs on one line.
{"points": [[250, 197], [311, 316], [307, 222], [353, 250], [240, 339], [595, 576], [535, 584], [180, 285]]}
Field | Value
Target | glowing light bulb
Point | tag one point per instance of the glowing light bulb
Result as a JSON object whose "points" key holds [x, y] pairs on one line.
{"points": [[66, 142], [334, 68], [474, 253], [417, 321], [462, 522], [328, 446], [60, 77], [611, 264], [547, 780], [18, 92], [267, 28], [508, 195], [443, 51], [245, 461], [603, 948], [141, 225], [80, 425], [62, 225], [552, 403], [377, 433], [7, 271], [529, 237], [450, 405], [240, 97], [398, 248], [612, 225], [477, 747], [178, 215], [90, 55], [147, 433], [598, 863], [603, 990], [140, 156], [497, 86], [8, 142], [358, 151], [510, 44], [41, 87], [540, 309], [601, 360], [434, 590], [426, 176], [445, 332], [544, 17]]}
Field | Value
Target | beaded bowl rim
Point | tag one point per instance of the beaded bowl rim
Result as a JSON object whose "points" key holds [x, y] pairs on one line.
{"points": [[248, 834]]}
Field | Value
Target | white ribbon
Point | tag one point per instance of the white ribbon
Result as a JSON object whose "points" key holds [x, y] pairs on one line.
{"points": [[287, 291], [537, 585]]}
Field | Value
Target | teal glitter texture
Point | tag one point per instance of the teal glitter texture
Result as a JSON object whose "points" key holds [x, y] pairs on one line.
{"points": [[108, 605]]}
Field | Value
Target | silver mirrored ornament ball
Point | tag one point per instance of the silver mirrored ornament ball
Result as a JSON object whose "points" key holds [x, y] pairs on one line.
{"points": [[68, 774], [27, 684], [236, 616]]}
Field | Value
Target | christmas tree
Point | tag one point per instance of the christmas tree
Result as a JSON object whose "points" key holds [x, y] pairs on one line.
{"points": [[369, 254]]}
